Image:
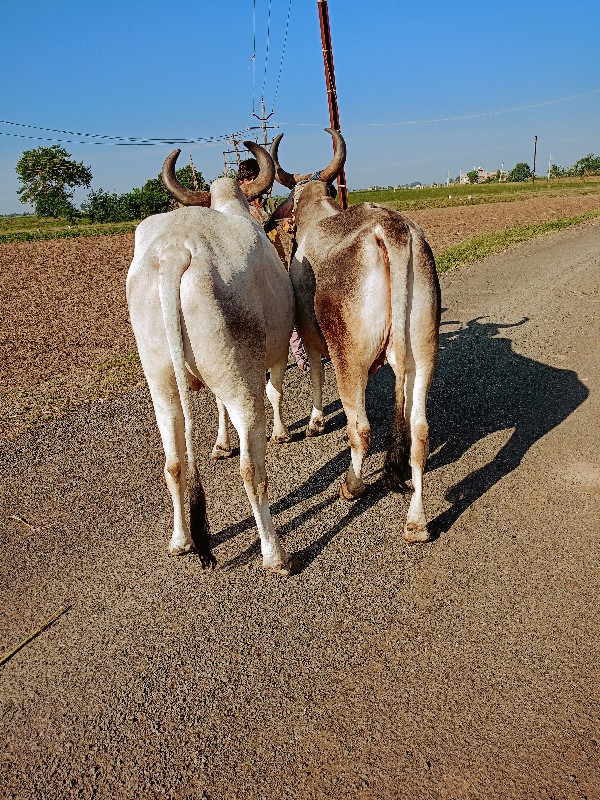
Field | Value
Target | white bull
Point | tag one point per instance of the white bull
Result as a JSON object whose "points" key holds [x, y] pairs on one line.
{"points": [[210, 303]]}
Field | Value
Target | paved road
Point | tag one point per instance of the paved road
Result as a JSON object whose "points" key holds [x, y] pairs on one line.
{"points": [[465, 668]]}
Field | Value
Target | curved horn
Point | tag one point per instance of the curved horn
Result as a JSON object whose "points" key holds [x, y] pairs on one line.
{"points": [[185, 196], [282, 177], [326, 175], [264, 180], [331, 172]]}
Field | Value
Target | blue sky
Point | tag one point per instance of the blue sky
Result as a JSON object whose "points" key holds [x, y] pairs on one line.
{"points": [[424, 88]]}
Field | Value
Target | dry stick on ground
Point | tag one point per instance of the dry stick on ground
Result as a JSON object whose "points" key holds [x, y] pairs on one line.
{"points": [[23, 521], [7, 656]]}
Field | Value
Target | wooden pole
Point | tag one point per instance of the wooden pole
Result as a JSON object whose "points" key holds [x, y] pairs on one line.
{"points": [[334, 115]]}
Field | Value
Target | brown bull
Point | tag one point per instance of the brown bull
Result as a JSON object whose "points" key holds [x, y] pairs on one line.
{"points": [[366, 290]]}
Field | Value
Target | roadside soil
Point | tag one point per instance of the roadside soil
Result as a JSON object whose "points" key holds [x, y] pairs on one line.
{"points": [[65, 336], [464, 669]]}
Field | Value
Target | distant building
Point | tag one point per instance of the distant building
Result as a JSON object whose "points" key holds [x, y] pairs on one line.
{"points": [[483, 175]]}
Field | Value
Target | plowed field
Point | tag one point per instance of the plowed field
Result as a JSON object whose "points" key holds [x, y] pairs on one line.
{"points": [[64, 331]]}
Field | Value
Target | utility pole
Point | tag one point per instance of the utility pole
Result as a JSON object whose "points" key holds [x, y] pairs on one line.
{"points": [[534, 155], [263, 122], [334, 115], [194, 174], [226, 153]]}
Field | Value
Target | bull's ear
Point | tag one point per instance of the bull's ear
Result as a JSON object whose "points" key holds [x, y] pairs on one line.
{"points": [[283, 211]]}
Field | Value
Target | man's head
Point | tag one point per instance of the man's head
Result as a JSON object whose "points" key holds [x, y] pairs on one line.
{"points": [[248, 170]]}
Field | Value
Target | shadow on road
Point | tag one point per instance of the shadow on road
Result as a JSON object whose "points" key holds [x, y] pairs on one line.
{"points": [[481, 386]]}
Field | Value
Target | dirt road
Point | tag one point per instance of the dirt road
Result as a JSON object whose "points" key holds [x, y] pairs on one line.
{"points": [[465, 668]]}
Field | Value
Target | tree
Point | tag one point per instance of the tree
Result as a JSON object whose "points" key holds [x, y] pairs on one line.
{"points": [[48, 179], [158, 199], [101, 206], [588, 165], [472, 175], [152, 198], [520, 172]]}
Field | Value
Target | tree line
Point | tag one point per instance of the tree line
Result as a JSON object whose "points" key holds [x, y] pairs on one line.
{"points": [[588, 165], [49, 177]]}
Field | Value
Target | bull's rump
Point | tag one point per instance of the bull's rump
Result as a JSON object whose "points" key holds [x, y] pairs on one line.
{"points": [[352, 255], [235, 296]]}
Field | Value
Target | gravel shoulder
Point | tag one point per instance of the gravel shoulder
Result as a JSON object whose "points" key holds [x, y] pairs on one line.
{"points": [[466, 668]]}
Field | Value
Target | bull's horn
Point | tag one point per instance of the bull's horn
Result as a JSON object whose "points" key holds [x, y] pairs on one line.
{"points": [[281, 176], [326, 175], [331, 172], [264, 180], [187, 197]]}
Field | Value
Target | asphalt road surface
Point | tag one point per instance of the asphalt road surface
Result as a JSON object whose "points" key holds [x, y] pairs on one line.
{"points": [[464, 668]]}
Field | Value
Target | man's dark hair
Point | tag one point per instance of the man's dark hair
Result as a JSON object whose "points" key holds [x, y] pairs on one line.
{"points": [[248, 169]]}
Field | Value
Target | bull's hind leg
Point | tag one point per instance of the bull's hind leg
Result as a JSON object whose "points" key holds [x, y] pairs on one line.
{"points": [[316, 424], [247, 413], [222, 447], [171, 424], [352, 394], [409, 446], [418, 381], [274, 393], [420, 365]]}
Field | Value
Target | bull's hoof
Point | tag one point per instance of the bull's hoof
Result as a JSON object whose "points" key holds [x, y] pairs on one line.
{"points": [[415, 532], [283, 439], [179, 550], [291, 567], [315, 428], [346, 494], [207, 560], [219, 452]]}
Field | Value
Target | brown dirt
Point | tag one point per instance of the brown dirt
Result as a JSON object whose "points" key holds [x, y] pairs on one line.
{"points": [[65, 337], [464, 669], [445, 227]]}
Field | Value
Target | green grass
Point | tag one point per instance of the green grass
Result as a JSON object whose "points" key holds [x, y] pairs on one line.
{"points": [[489, 243], [447, 196], [29, 228], [117, 375], [24, 406]]}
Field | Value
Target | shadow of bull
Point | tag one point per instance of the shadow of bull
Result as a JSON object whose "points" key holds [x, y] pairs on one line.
{"points": [[481, 386]]}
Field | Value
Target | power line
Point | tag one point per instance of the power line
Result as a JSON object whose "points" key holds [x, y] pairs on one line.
{"points": [[482, 113], [117, 141], [267, 50], [285, 36], [253, 59]]}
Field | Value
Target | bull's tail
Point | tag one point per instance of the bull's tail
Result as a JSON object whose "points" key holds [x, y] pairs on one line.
{"points": [[173, 264], [395, 244]]}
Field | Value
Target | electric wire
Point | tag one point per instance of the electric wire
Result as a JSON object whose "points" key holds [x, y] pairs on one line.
{"points": [[121, 141], [267, 49], [253, 59], [480, 114], [449, 119], [285, 36], [118, 141]]}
